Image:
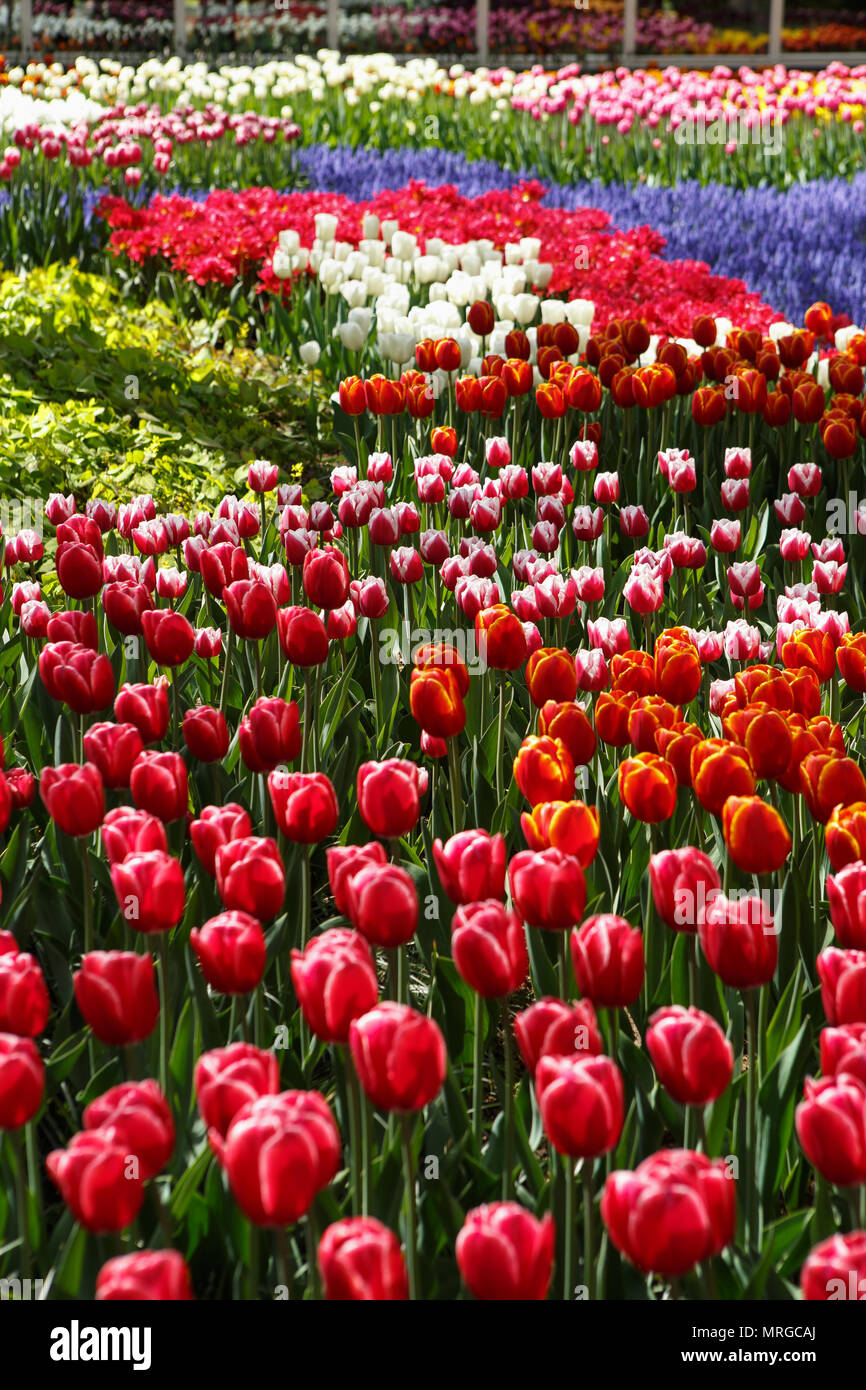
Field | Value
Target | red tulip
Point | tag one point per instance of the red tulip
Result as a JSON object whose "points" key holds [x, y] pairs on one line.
{"points": [[73, 797], [303, 636], [113, 748], [843, 985], [831, 1126], [102, 1188], [304, 804], [159, 785], [738, 939], [79, 569], [124, 603], [278, 1153], [488, 944], [846, 893], [159, 1276], [471, 866], [836, 1269], [24, 1002], [251, 608], [399, 1056], [608, 960], [691, 1054], [582, 1104], [505, 1253], [22, 1080], [228, 1077], [552, 1028], [116, 994], [383, 904], [684, 882], [145, 706], [360, 1260], [169, 637], [231, 951], [389, 796], [676, 1210], [843, 1049], [270, 734], [325, 577], [135, 1115], [250, 876], [215, 827], [548, 888], [80, 677], [335, 981], [206, 733], [344, 861], [222, 564]]}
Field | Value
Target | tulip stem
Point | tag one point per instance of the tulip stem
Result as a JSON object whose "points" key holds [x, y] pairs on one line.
{"points": [[311, 1228], [253, 1267], [17, 1153], [752, 1234], [568, 1223], [175, 708], [477, 1074], [283, 1262], [226, 664], [563, 964], [305, 743], [306, 913], [500, 738], [588, 1232], [163, 1013], [406, 1125], [88, 894], [33, 1176], [456, 803], [354, 1131], [508, 1164]]}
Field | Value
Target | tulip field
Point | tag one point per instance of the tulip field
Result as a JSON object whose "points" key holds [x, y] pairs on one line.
{"points": [[433, 658]]}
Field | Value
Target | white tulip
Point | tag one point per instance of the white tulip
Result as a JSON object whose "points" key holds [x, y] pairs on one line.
{"points": [[388, 228], [543, 274], [530, 247], [326, 226], [374, 279], [350, 336], [289, 241], [282, 264], [525, 308], [580, 311], [404, 246], [552, 311], [363, 317], [354, 292], [310, 353], [370, 226]]}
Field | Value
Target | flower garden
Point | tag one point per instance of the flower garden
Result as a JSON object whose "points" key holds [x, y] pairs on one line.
{"points": [[433, 663]]}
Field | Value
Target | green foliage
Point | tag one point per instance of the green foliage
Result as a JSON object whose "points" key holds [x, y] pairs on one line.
{"points": [[105, 398]]}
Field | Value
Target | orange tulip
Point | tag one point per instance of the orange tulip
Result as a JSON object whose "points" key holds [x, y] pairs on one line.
{"points": [[648, 787], [648, 714], [612, 710], [851, 660], [570, 826], [569, 722], [810, 649], [675, 746], [755, 834], [720, 769], [550, 675], [828, 780], [543, 770], [765, 735], [633, 670], [846, 834], [436, 702]]}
